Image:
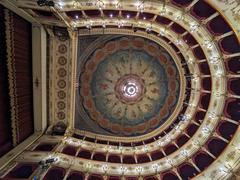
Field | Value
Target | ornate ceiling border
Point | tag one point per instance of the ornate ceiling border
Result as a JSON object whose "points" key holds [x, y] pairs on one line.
{"points": [[182, 88]]}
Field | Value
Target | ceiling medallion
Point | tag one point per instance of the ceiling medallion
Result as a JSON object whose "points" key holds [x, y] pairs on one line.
{"points": [[129, 89]]}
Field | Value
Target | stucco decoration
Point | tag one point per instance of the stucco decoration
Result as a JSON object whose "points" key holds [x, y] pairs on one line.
{"points": [[129, 86]]}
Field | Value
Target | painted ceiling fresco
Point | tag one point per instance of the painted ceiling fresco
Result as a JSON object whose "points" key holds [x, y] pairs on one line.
{"points": [[128, 86]]}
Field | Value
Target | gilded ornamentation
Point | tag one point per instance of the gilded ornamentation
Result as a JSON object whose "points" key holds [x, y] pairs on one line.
{"points": [[62, 52], [62, 48], [62, 72], [62, 60], [61, 84], [61, 115], [61, 94], [231, 155], [61, 105]]}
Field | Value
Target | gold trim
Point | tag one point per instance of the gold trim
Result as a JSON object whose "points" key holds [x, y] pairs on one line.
{"points": [[11, 75]]}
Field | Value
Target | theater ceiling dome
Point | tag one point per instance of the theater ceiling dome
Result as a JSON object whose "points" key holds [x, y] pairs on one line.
{"points": [[143, 90], [128, 85]]}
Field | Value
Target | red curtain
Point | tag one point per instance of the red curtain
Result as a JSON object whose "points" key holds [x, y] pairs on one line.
{"points": [[16, 96], [5, 120], [20, 60]]}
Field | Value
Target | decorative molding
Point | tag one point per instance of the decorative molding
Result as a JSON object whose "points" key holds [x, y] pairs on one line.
{"points": [[61, 59]]}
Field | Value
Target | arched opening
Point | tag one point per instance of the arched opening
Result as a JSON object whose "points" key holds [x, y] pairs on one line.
{"points": [[69, 150], [187, 171], [169, 175], [191, 129], [157, 155], [95, 177], [143, 158], [169, 149], [56, 173], [75, 175], [232, 109], [227, 129], [202, 160], [99, 156], [202, 10], [45, 147], [181, 140], [233, 86], [218, 26], [114, 158], [84, 154], [229, 45], [22, 171], [128, 159], [216, 146]]}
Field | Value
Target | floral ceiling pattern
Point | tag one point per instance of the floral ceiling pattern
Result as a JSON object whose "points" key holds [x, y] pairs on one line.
{"points": [[129, 86]]}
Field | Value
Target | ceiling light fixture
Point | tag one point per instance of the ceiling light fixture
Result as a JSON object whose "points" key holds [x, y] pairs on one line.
{"points": [[212, 115], [140, 6], [117, 5], [224, 170], [184, 117], [160, 143], [208, 44], [105, 168], [219, 73], [163, 10], [214, 59], [162, 32], [196, 143], [45, 3], [41, 2], [123, 169], [179, 42], [100, 4], [170, 162], [184, 152], [194, 27], [149, 28], [155, 167], [88, 166], [89, 25], [206, 130], [77, 4], [104, 25], [120, 24], [145, 148], [139, 169]]}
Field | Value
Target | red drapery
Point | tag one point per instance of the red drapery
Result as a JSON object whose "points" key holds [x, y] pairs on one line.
{"points": [[19, 70], [5, 121]]}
